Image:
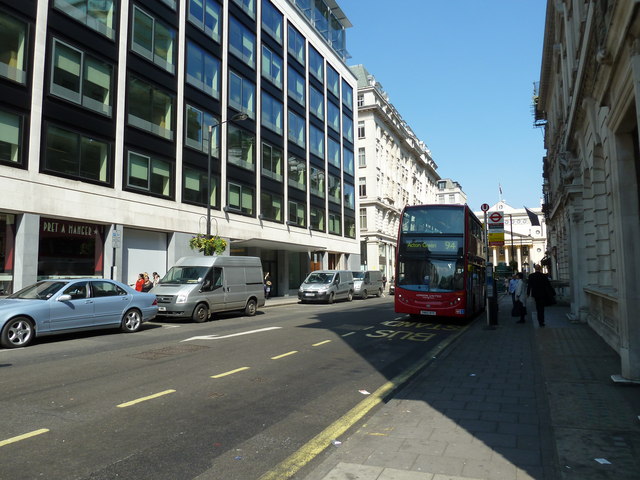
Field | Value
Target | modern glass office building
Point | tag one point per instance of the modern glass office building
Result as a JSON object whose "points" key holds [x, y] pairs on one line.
{"points": [[121, 119]]}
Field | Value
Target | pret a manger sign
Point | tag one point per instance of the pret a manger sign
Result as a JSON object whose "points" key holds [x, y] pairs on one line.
{"points": [[495, 229]]}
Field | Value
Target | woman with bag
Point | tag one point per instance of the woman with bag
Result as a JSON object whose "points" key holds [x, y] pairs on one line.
{"points": [[519, 308]]}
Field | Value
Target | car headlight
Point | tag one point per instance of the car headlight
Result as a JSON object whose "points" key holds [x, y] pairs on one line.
{"points": [[182, 298]]}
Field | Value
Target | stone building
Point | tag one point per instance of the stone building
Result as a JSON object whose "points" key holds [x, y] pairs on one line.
{"points": [[588, 102]]}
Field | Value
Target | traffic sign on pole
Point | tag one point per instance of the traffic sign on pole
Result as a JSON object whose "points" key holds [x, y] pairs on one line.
{"points": [[485, 207]]}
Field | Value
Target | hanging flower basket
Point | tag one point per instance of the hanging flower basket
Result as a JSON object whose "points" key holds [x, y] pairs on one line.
{"points": [[210, 246]]}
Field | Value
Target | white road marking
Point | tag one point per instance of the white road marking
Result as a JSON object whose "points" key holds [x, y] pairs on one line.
{"points": [[216, 337]]}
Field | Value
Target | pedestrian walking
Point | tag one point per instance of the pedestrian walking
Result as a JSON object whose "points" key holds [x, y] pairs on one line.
{"points": [[512, 288], [147, 284], [539, 287], [519, 305], [139, 282], [267, 285], [156, 278]]}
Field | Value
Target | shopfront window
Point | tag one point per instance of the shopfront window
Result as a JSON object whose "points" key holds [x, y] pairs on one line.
{"points": [[70, 249], [7, 242]]}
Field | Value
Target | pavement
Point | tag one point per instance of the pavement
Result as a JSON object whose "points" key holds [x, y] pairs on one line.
{"points": [[512, 402]]}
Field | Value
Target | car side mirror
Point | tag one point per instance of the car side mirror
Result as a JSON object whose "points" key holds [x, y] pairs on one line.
{"points": [[64, 298]]}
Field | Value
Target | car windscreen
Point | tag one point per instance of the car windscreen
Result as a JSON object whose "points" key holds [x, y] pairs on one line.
{"points": [[319, 278], [39, 291], [184, 275]]}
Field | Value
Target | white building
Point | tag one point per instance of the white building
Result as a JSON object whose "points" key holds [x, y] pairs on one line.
{"points": [[112, 113], [450, 192], [394, 169]]}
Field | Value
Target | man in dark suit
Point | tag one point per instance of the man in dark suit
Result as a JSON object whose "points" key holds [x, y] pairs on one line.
{"points": [[540, 289]]}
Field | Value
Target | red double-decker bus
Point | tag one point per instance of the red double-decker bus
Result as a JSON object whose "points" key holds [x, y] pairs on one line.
{"points": [[440, 264]]}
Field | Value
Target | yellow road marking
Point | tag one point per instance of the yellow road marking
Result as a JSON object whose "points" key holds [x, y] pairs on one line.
{"points": [[288, 467], [230, 372], [24, 436], [144, 399], [284, 355], [321, 343]]}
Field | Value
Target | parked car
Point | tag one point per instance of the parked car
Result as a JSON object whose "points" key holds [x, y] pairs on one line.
{"points": [[60, 306], [367, 283], [195, 287], [326, 286]]}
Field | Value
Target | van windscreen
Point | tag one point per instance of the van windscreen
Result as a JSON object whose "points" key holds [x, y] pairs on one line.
{"points": [[319, 278], [184, 275]]}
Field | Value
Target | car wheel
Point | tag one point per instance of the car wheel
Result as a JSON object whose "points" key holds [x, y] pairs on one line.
{"points": [[349, 296], [330, 299], [17, 332], [365, 294], [201, 313], [131, 321], [250, 309]]}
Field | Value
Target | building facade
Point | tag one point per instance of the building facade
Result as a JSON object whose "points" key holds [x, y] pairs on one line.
{"points": [[120, 120], [394, 169], [588, 103], [450, 192]]}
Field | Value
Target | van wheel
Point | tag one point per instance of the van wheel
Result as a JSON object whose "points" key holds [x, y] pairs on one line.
{"points": [[330, 299], [201, 313], [379, 294], [250, 309], [349, 296], [365, 294]]}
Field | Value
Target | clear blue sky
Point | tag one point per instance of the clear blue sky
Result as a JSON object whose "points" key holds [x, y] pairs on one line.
{"points": [[461, 73]]}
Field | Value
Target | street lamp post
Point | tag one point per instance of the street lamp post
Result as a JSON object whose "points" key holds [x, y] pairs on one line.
{"points": [[236, 117]]}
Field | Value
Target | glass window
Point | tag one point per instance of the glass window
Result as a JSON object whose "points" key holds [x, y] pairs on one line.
{"points": [[197, 130], [149, 173], [203, 70], [97, 15], [316, 141], [362, 158], [335, 192], [240, 198], [316, 217], [335, 224], [271, 66], [81, 79], [241, 148], [194, 189], [347, 95], [348, 166], [360, 101], [347, 124], [363, 219], [316, 103], [349, 196], [272, 20], [316, 64], [150, 108], [249, 6], [297, 214], [362, 186], [333, 116], [271, 162], [272, 113], [361, 132], [153, 40], [295, 85], [271, 206], [333, 81], [76, 155], [296, 126], [297, 171], [13, 49], [10, 138], [242, 94], [296, 44], [334, 152], [205, 14], [349, 227], [317, 181], [242, 43]]}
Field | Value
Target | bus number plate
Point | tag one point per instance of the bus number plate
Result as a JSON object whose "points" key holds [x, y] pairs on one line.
{"points": [[427, 312]]}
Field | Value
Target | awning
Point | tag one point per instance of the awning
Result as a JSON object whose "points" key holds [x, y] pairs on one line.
{"points": [[275, 245]]}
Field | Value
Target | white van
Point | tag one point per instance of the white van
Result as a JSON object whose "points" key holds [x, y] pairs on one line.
{"points": [[326, 286], [367, 283], [196, 287]]}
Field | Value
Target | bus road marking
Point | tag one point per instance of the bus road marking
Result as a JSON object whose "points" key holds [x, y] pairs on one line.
{"points": [[216, 337], [144, 399], [321, 343], [277, 357], [230, 372], [24, 436]]}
